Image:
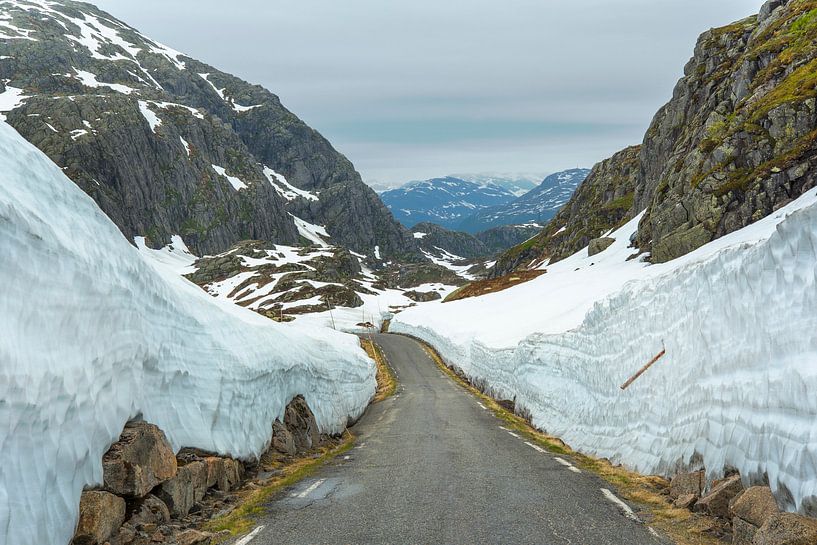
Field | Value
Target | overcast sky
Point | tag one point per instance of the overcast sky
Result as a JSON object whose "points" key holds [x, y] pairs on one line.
{"points": [[421, 88]]}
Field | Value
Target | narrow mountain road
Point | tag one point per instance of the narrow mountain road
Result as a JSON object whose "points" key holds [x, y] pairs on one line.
{"points": [[433, 466]]}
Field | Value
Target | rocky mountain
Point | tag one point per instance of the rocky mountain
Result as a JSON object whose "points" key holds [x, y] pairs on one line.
{"points": [[518, 184], [432, 238], [737, 141], [538, 205], [500, 239], [444, 201], [168, 145]]}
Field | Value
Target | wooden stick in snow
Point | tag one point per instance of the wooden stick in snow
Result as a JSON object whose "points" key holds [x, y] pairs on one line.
{"points": [[641, 371]]}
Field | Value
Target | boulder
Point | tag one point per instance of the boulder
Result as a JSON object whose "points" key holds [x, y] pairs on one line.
{"points": [[139, 461], [100, 515], [150, 510], [233, 475], [423, 296], [215, 470], [716, 502], [685, 501], [282, 439], [598, 245], [193, 537], [787, 529], [182, 491], [755, 505], [300, 421], [687, 483]]}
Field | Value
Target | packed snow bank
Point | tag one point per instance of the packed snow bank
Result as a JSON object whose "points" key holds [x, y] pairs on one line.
{"points": [[95, 333], [735, 389]]}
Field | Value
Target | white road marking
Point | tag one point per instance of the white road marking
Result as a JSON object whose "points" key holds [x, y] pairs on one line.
{"points": [[484, 408], [567, 464], [503, 428], [312, 488], [653, 532], [536, 447], [347, 457], [623, 506], [512, 433], [246, 539]]}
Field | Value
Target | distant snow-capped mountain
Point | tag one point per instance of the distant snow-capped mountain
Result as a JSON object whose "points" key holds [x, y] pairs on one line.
{"points": [[518, 184], [444, 201], [539, 204]]}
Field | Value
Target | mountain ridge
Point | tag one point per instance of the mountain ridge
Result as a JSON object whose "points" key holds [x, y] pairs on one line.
{"points": [[141, 128]]}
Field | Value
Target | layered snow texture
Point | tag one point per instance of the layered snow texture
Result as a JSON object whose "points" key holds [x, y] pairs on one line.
{"points": [[95, 333], [737, 385]]}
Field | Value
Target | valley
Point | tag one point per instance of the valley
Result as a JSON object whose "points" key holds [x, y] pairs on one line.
{"points": [[217, 333]]}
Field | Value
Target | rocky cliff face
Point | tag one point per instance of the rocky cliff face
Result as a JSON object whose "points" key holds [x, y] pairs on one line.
{"points": [[738, 138], [737, 141], [169, 145]]}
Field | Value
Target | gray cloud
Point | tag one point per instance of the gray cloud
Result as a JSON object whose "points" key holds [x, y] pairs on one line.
{"points": [[416, 89]]}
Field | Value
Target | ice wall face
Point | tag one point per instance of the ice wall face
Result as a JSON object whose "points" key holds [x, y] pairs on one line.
{"points": [[737, 387], [94, 334]]}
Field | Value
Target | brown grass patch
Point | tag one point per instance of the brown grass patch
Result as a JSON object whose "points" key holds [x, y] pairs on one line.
{"points": [[493, 285], [386, 380]]}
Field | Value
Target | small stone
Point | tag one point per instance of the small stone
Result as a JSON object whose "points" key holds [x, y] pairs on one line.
{"points": [[182, 491], [100, 515], [151, 510], [716, 502], [598, 245], [687, 483], [194, 537], [685, 501]]}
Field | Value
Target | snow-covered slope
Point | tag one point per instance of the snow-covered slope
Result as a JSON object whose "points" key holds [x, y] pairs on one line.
{"points": [[539, 204], [518, 184], [96, 333], [444, 201], [736, 386]]}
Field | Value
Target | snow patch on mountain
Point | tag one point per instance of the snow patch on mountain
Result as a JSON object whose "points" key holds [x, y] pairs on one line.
{"points": [[285, 189], [237, 183], [11, 98], [316, 234], [153, 120], [90, 80]]}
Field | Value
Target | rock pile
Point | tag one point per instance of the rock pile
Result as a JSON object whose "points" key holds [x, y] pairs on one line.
{"points": [[150, 495], [753, 512]]}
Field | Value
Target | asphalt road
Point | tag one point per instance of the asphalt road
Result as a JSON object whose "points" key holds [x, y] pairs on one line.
{"points": [[432, 466]]}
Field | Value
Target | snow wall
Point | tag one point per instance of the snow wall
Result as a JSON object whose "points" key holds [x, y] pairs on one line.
{"points": [[737, 387], [93, 334]]}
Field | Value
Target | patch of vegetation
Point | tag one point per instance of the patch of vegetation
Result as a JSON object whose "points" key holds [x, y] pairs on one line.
{"points": [[622, 203], [386, 379], [798, 86], [493, 285], [741, 179]]}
